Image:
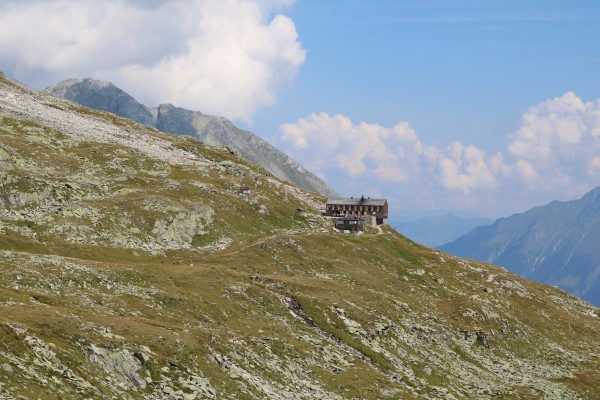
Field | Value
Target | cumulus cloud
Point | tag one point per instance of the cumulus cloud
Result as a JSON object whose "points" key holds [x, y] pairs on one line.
{"points": [[334, 145], [558, 142], [325, 141], [594, 167], [526, 171], [225, 57], [466, 168]]}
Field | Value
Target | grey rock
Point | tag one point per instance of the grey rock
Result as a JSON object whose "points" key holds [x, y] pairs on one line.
{"points": [[262, 209], [122, 366], [178, 230]]}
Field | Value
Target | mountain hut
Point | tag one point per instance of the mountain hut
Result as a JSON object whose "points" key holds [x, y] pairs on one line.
{"points": [[359, 207]]}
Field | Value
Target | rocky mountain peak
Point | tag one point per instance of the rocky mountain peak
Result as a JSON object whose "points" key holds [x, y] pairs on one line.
{"points": [[73, 84], [102, 95]]}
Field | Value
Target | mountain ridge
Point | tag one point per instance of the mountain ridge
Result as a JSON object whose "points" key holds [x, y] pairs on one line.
{"points": [[437, 229], [105, 96], [554, 243]]}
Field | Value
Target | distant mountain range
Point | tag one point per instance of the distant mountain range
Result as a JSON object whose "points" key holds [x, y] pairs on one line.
{"points": [[438, 229], [558, 244], [105, 96]]}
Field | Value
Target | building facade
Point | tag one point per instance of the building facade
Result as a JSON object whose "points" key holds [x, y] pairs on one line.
{"points": [[358, 207], [349, 224]]}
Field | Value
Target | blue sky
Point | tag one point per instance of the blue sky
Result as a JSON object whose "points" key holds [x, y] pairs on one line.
{"points": [[453, 69], [483, 106]]}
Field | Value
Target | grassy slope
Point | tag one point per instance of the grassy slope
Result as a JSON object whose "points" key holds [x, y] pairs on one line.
{"points": [[383, 317]]}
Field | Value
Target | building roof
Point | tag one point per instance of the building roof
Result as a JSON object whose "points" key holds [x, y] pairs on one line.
{"points": [[360, 201]]}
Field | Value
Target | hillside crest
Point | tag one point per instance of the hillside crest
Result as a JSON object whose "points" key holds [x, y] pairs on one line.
{"points": [[212, 130]]}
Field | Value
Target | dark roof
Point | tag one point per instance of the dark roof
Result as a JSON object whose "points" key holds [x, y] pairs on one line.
{"points": [[360, 201]]}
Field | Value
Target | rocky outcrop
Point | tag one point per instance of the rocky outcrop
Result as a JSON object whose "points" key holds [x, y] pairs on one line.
{"points": [[209, 129], [121, 365]]}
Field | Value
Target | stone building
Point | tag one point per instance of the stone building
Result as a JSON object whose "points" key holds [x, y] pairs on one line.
{"points": [[358, 207]]}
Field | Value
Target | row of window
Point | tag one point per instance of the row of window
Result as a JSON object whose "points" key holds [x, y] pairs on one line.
{"points": [[345, 207], [342, 222]]}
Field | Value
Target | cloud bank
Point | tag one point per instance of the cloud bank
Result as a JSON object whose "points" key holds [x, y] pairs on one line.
{"points": [[334, 146], [554, 153], [224, 57], [558, 144]]}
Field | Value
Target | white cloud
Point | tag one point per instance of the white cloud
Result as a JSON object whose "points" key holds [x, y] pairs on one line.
{"points": [[335, 146], [558, 142], [225, 57], [325, 141], [466, 168], [526, 171], [555, 128], [594, 167]]}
